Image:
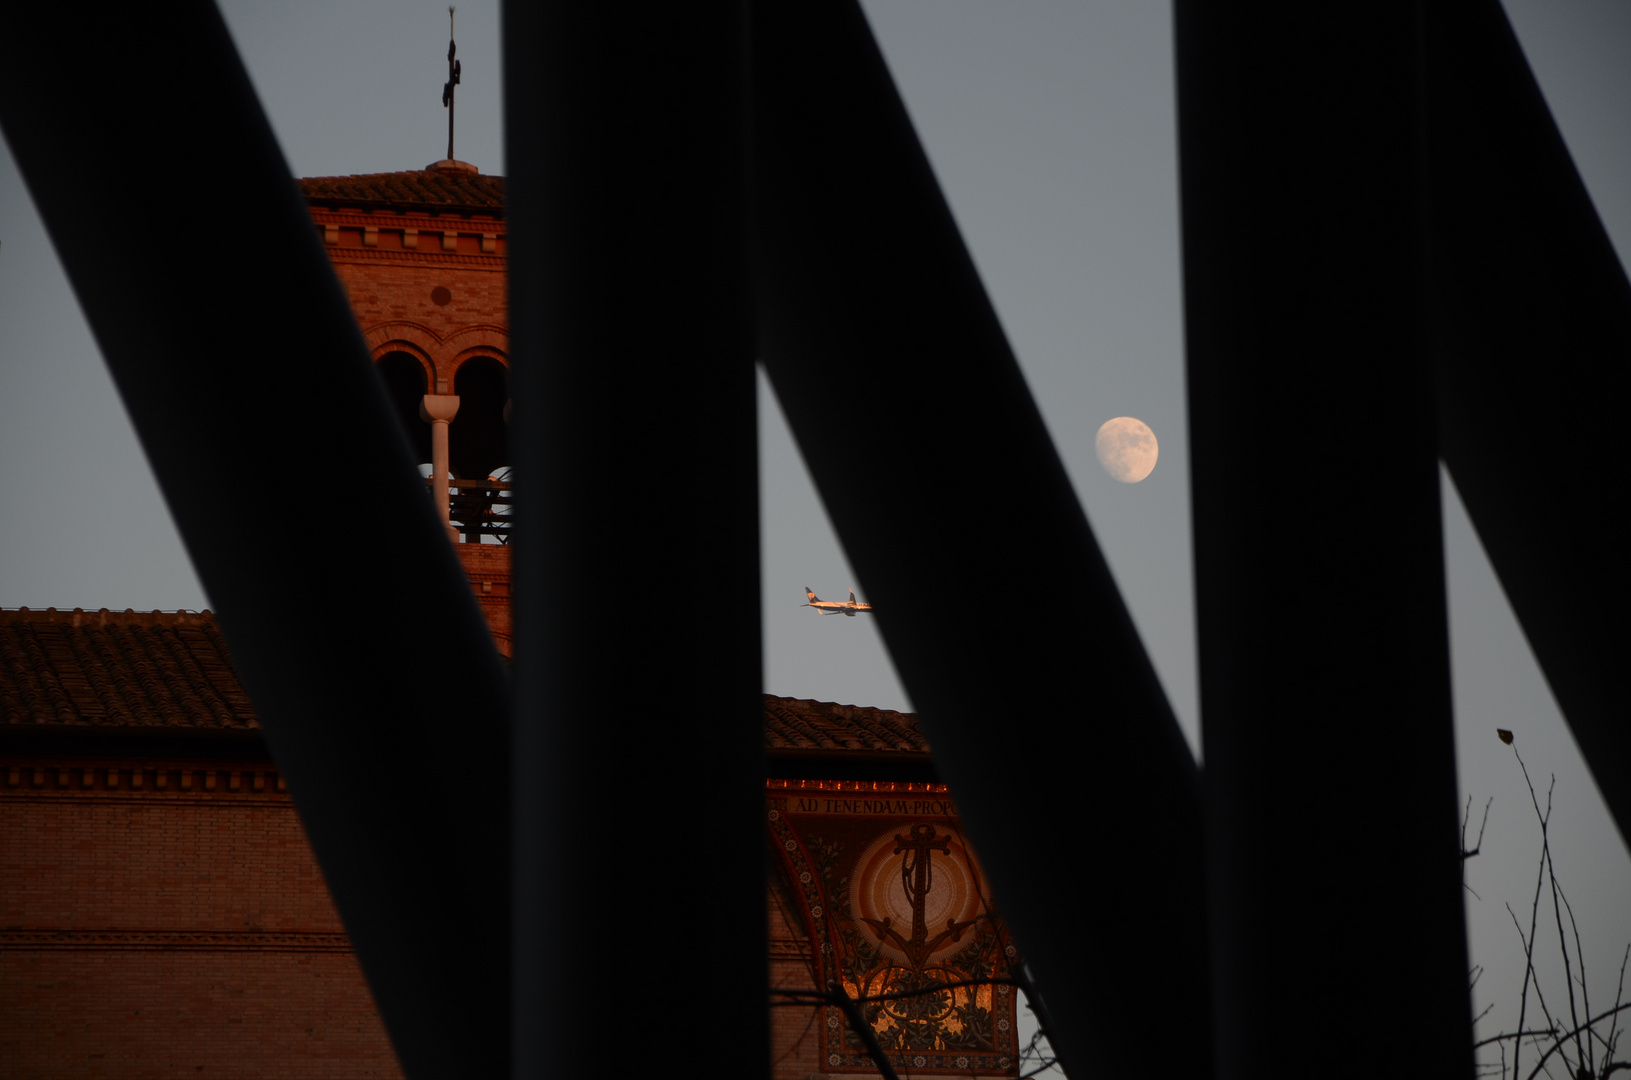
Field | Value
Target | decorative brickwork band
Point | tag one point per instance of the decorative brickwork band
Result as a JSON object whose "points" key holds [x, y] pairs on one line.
{"points": [[137, 779], [170, 940]]}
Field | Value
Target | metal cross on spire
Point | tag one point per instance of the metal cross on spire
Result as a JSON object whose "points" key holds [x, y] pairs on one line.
{"points": [[453, 67]]}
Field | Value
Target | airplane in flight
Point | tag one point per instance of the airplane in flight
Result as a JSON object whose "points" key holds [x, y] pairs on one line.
{"points": [[836, 607]]}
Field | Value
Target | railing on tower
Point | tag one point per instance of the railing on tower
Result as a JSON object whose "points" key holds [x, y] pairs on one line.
{"points": [[479, 508]]}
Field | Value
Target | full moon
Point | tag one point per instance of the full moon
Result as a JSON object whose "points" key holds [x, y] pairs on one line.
{"points": [[1127, 449]]}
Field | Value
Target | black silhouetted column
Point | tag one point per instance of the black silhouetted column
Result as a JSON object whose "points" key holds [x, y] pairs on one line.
{"points": [[639, 778], [1334, 870], [1533, 343]]}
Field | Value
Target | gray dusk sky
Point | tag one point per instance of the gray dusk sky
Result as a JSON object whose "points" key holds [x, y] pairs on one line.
{"points": [[1051, 128]]}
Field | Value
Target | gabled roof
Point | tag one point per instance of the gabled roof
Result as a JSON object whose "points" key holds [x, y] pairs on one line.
{"points": [[428, 189], [124, 670]]}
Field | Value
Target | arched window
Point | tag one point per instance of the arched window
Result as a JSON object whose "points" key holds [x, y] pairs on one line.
{"points": [[404, 379], [478, 438]]}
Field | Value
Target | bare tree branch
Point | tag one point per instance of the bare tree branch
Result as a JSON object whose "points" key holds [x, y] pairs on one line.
{"points": [[1467, 853], [1033, 1052], [1553, 1045], [1619, 992], [1513, 1035], [1529, 975], [824, 997], [1588, 1054], [1557, 1045], [1557, 913], [1040, 1069], [840, 997], [863, 1031]]}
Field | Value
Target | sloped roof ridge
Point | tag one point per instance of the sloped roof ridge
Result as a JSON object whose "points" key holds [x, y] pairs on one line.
{"points": [[889, 734], [124, 669], [430, 189], [828, 724], [172, 669], [103, 616], [784, 727]]}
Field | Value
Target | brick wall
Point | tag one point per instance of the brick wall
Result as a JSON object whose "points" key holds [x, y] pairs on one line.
{"points": [[151, 1013], [387, 292], [185, 930], [174, 931], [488, 567], [439, 303], [796, 1032]]}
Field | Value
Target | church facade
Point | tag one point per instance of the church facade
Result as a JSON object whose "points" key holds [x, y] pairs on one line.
{"points": [[162, 913]]}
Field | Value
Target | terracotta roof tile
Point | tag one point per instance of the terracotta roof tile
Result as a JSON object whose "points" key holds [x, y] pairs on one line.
{"points": [[171, 669], [794, 723], [423, 190], [118, 669]]}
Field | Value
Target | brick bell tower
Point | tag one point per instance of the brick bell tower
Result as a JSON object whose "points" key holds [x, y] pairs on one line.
{"points": [[422, 257]]}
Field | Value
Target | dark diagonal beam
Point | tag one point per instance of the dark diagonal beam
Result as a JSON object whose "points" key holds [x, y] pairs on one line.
{"points": [[639, 774], [245, 376], [1333, 862], [1046, 717], [1533, 346]]}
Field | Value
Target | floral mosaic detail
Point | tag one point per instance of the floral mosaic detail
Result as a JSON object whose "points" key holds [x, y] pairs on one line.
{"points": [[798, 863]]}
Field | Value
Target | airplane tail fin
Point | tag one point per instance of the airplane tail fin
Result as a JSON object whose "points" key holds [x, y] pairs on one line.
{"points": [[852, 596], [808, 595]]}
